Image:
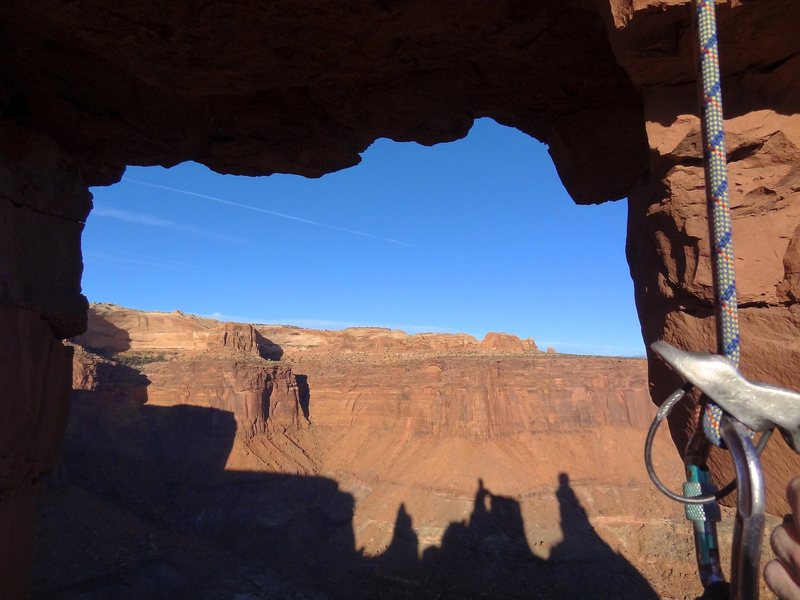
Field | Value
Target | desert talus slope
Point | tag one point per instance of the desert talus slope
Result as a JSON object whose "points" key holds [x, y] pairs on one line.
{"points": [[363, 463]]}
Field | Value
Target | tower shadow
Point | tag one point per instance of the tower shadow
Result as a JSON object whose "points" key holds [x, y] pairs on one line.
{"points": [[488, 556], [304, 394]]}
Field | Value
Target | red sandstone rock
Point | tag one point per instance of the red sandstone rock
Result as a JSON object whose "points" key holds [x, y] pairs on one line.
{"points": [[263, 396], [507, 343], [668, 247], [371, 340], [477, 397], [107, 380]]}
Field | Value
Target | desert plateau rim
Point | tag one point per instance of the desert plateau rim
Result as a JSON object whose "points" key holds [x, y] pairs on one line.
{"points": [[287, 481]]}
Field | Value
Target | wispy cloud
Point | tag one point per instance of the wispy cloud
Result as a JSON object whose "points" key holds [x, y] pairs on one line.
{"points": [[270, 212], [130, 217], [117, 257], [330, 324], [147, 220]]}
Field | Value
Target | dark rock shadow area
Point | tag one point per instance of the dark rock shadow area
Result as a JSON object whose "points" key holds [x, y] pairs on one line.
{"points": [[142, 507]]}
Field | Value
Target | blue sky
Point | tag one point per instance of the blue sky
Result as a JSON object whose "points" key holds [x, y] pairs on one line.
{"points": [[473, 236]]}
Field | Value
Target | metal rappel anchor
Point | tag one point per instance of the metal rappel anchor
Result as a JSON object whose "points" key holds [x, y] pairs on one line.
{"points": [[746, 404]]}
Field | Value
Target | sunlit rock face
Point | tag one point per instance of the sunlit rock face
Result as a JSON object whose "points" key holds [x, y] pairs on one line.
{"points": [[115, 329], [261, 396], [303, 87]]}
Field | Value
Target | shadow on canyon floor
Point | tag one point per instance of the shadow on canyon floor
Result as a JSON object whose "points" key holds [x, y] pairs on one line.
{"points": [[143, 507]]}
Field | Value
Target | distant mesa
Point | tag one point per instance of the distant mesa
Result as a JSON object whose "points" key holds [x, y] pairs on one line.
{"points": [[430, 384], [118, 329], [114, 328]]}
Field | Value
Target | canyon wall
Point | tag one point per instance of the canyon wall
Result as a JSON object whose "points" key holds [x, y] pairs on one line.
{"points": [[406, 426], [305, 87]]}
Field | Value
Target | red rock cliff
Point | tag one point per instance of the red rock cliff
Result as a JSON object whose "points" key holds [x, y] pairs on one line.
{"points": [[262, 396], [413, 422]]}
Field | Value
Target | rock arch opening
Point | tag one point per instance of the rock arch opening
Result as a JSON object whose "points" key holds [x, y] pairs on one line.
{"points": [[473, 236]]}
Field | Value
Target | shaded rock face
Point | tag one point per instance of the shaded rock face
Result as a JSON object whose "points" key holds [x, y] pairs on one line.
{"points": [[303, 87], [108, 381], [261, 396]]}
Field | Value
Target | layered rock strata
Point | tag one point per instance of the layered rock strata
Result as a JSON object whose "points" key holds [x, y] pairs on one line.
{"points": [[199, 441], [262, 396]]}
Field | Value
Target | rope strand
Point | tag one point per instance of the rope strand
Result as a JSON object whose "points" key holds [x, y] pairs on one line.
{"points": [[718, 203]]}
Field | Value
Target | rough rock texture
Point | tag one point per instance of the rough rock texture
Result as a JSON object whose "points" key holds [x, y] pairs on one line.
{"points": [[106, 380], [324, 82], [668, 239], [261, 395], [476, 396], [303, 87], [33, 414]]}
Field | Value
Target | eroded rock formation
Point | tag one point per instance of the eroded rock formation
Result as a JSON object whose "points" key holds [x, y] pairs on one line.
{"points": [[255, 88]]}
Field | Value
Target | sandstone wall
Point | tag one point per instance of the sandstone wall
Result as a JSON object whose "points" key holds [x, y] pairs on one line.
{"points": [[261, 396], [376, 340], [668, 245], [477, 397]]}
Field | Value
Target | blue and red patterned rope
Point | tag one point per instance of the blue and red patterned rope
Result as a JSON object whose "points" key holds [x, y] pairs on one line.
{"points": [[718, 203]]}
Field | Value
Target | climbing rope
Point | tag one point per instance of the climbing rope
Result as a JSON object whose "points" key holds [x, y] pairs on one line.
{"points": [[718, 203]]}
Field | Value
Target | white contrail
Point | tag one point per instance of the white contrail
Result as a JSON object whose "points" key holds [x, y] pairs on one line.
{"points": [[131, 217], [268, 212], [111, 254], [158, 264]]}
